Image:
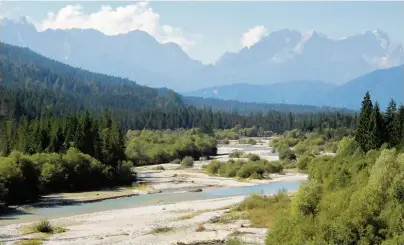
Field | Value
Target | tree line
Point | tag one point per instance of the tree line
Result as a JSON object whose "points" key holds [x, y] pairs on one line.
{"points": [[51, 154], [376, 128]]}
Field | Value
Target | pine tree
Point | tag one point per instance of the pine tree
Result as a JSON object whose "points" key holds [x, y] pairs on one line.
{"points": [[392, 122], [363, 127], [376, 134], [401, 118]]}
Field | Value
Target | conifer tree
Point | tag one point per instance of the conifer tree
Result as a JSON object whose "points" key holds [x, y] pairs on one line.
{"points": [[363, 127], [376, 134], [401, 118], [392, 122]]}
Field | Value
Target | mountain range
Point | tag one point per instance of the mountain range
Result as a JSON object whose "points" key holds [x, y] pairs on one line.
{"points": [[383, 85], [282, 56]]}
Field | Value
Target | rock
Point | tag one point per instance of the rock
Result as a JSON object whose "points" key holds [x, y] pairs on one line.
{"points": [[214, 219], [196, 190]]}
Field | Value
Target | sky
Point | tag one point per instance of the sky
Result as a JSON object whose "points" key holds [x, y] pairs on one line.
{"points": [[207, 29]]}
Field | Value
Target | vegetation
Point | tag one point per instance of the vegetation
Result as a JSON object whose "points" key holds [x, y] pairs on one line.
{"points": [[44, 173], [254, 169], [50, 154], [43, 226], [29, 242], [155, 147], [187, 162], [236, 154], [262, 211], [355, 197]]}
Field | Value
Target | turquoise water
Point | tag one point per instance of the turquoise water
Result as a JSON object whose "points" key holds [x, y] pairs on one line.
{"points": [[136, 201]]}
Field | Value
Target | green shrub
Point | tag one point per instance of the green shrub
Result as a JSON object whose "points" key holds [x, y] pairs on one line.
{"points": [[274, 167], [251, 141], [285, 153], [253, 157], [301, 147], [43, 226], [212, 167], [236, 154], [187, 162], [303, 162], [247, 170]]}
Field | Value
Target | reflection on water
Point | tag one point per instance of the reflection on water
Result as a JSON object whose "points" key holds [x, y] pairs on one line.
{"points": [[144, 200]]}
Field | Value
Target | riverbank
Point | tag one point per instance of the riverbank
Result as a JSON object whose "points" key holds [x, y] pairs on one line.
{"points": [[177, 215], [185, 222]]}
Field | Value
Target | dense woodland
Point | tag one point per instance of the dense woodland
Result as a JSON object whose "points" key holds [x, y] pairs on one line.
{"points": [[33, 85]]}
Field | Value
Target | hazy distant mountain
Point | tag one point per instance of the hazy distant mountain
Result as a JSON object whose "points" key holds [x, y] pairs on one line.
{"points": [[383, 85], [285, 55], [135, 55], [289, 55], [296, 92]]}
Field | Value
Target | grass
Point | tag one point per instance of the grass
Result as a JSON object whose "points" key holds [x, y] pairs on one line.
{"points": [[29, 242], [160, 230], [260, 210], [43, 226], [234, 242]]}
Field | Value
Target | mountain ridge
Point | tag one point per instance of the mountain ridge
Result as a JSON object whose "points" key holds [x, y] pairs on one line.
{"points": [[281, 56], [383, 84]]}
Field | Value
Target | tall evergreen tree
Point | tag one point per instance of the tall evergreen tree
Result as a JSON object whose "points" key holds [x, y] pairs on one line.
{"points": [[401, 118], [392, 122], [376, 133], [363, 127]]}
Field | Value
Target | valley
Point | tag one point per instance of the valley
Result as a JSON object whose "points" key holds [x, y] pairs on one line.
{"points": [[203, 123], [170, 198]]}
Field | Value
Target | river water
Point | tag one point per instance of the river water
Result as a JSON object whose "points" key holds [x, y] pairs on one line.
{"points": [[152, 199], [144, 200]]}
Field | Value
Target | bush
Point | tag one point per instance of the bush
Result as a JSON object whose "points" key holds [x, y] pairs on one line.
{"points": [[300, 148], [285, 153], [253, 157], [251, 141], [252, 170], [187, 162], [243, 169], [236, 154], [303, 162], [43, 226], [212, 167]]}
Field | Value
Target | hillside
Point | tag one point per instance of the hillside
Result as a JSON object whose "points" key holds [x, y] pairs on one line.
{"points": [[22, 68]]}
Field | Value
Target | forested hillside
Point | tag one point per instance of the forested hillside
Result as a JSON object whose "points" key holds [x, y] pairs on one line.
{"points": [[22, 68], [33, 85]]}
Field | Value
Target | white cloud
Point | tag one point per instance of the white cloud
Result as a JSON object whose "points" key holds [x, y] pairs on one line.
{"points": [[253, 35], [114, 21]]}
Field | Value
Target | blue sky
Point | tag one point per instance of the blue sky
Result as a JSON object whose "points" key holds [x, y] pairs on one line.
{"points": [[206, 30]]}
